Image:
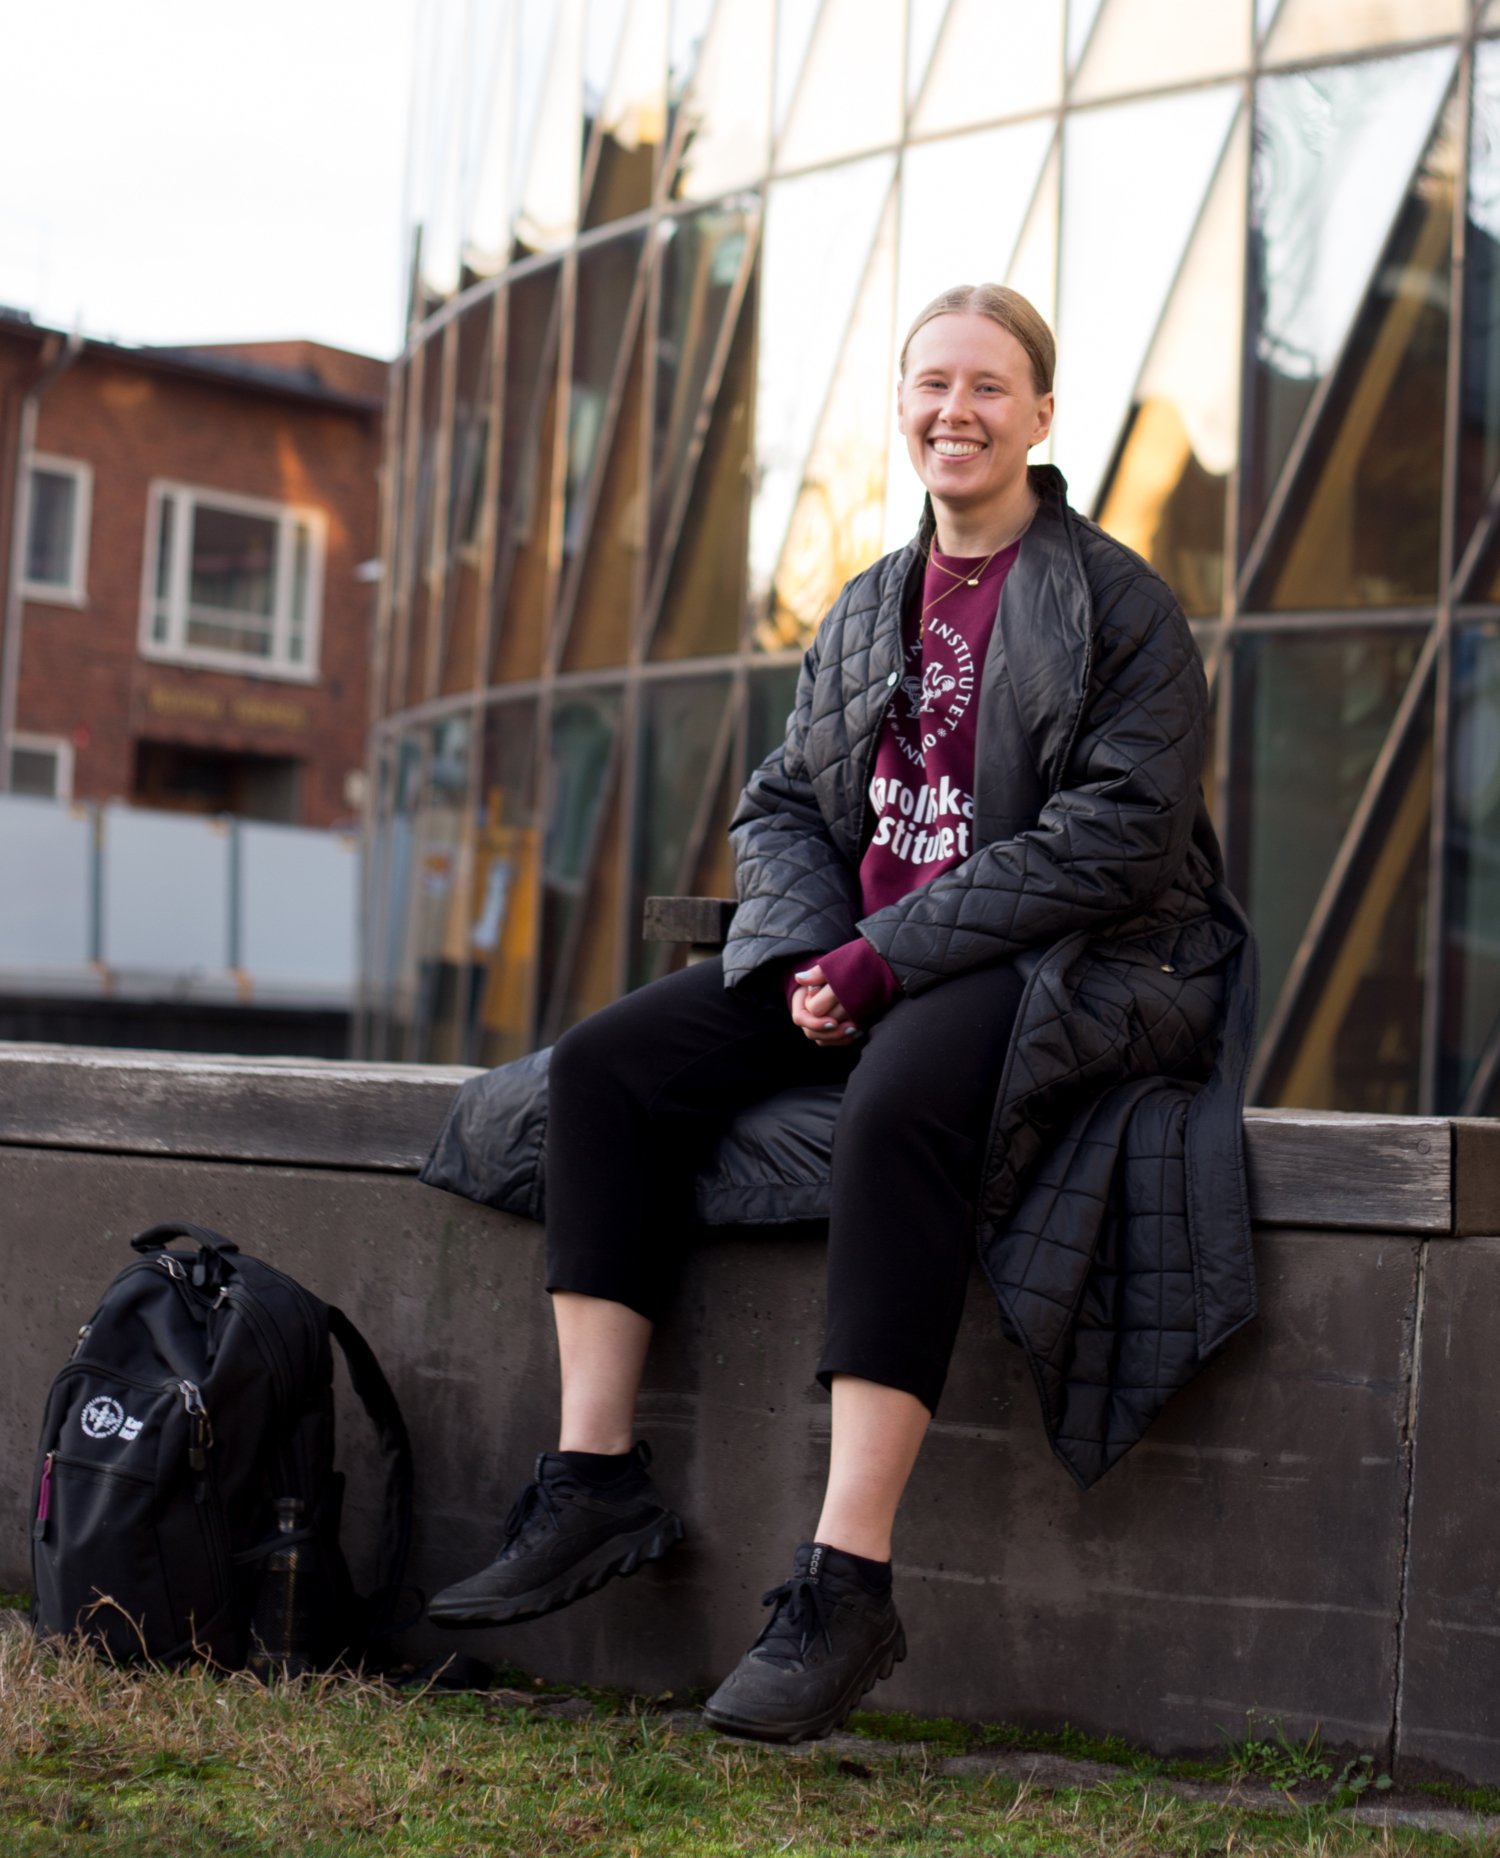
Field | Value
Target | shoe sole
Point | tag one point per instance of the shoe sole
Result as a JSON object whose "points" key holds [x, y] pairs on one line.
{"points": [[620, 1555], [883, 1660]]}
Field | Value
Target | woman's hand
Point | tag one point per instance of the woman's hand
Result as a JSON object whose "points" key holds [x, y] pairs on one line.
{"points": [[816, 1009]]}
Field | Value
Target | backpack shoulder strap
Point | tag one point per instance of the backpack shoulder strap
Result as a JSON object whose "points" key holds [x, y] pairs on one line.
{"points": [[374, 1390]]}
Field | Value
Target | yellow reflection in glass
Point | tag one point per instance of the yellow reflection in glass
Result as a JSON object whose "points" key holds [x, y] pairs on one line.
{"points": [[725, 119], [992, 61], [1166, 497], [1313, 28], [836, 527], [849, 99], [502, 933], [603, 618], [1147, 44], [1367, 507]]}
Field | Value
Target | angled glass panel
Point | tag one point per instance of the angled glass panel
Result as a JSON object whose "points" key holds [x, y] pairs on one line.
{"points": [[443, 866], [850, 98], [489, 181], [429, 532], [1166, 496], [1314, 29], [722, 137], [992, 61], [705, 587], [681, 724], [1484, 582], [773, 692], [1312, 713], [502, 943], [547, 210], [1479, 390], [837, 524], [469, 503], [1357, 1042], [686, 31], [527, 443], [924, 21], [603, 23], [392, 883], [1334, 155], [632, 119], [1149, 44], [819, 233], [1471, 934], [1081, 17], [1361, 527], [1164, 150], [436, 163], [1265, 12], [605, 591], [605, 301], [579, 851], [700, 256], [795, 20]]}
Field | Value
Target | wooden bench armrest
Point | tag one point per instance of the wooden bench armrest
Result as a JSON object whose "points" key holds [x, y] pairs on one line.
{"points": [[701, 921]]}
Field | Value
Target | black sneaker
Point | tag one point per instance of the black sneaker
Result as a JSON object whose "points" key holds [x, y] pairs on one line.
{"points": [[563, 1539], [829, 1641]]}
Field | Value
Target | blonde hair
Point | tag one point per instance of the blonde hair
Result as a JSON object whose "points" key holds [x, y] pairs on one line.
{"points": [[1014, 313]]}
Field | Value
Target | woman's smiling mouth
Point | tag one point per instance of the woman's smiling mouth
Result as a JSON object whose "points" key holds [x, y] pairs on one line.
{"points": [[956, 448]]}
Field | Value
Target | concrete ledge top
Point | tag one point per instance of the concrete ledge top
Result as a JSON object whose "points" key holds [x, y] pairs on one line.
{"points": [[1307, 1167]]}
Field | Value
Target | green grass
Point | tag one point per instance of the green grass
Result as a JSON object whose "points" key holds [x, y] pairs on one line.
{"points": [[151, 1764]]}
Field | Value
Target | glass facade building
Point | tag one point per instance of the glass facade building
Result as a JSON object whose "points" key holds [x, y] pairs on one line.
{"points": [[643, 430]]}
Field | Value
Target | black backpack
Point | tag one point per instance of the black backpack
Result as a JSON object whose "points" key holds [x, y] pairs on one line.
{"points": [[198, 1399]]}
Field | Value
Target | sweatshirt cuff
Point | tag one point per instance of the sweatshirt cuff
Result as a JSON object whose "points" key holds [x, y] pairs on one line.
{"points": [[863, 981]]}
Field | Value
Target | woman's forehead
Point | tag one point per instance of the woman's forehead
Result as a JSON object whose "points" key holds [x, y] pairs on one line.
{"points": [[963, 338]]}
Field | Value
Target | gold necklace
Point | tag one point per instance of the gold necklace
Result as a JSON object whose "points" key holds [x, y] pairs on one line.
{"points": [[966, 580]]}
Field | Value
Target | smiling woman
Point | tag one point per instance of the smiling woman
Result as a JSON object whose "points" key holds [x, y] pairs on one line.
{"points": [[978, 892]]}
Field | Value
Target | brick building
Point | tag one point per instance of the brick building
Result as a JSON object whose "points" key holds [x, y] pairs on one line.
{"points": [[185, 624]]}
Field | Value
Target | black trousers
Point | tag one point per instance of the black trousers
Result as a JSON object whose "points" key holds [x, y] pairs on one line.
{"points": [[639, 1091]]}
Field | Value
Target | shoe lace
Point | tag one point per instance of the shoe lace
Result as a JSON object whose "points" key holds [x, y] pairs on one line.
{"points": [[535, 1497], [800, 1617]]}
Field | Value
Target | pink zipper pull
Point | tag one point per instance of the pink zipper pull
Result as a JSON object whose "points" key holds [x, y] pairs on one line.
{"points": [[44, 1498]]}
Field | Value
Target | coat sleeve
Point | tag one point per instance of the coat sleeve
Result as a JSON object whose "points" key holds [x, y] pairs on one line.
{"points": [[1112, 837], [798, 893]]}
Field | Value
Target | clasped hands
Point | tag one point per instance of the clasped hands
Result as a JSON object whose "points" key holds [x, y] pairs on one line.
{"points": [[816, 1009]]}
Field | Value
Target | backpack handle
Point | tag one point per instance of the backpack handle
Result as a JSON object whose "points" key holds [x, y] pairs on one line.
{"points": [[156, 1238]]}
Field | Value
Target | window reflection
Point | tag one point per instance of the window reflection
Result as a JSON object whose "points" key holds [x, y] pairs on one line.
{"points": [[600, 602], [1335, 151], [606, 306], [502, 921], [705, 571], [1166, 151], [528, 426], [629, 117], [442, 867], [581, 859], [1354, 1040], [1313, 28], [489, 153], [992, 61], [701, 256], [1361, 526], [427, 518], [1471, 1020], [1148, 44], [1479, 394], [849, 99], [685, 746], [836, 524], [1166, 496], [390, 893], [548, 162], [820, 232], [724, 122], [469, 502], [1311, 715]]}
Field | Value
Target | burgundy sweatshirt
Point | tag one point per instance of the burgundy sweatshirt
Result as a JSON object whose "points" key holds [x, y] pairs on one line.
{"points": [[922, 789]]}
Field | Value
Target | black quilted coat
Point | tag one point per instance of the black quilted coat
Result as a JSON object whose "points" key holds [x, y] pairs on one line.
{"points": [[1113, 1223]]}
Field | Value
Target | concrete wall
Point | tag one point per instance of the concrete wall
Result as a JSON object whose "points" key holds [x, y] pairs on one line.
{"points": [[1307, 1533]]}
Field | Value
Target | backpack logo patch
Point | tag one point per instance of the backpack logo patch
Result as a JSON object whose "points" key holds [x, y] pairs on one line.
{"points": [[102, 1417]]}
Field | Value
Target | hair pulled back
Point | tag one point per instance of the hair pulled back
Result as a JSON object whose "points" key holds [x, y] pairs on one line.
{"points": [[1013, 312]]}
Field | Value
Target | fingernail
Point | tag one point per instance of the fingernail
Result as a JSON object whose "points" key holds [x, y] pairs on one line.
{"points": [[849, 1030], [829, 1024], [803, 976]]}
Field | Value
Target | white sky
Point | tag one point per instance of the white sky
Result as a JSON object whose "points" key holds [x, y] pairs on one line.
{"points": [[206, 170]]}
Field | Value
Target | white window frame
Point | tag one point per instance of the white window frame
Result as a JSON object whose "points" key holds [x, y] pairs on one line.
{"points": [[57, 745], [75, 593], [175, 649]]}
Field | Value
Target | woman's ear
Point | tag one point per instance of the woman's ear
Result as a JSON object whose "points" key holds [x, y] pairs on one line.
{"points": [[1043, 426]]}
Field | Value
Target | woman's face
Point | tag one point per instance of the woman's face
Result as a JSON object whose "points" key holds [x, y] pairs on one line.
{"points": [[969, 410]]}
